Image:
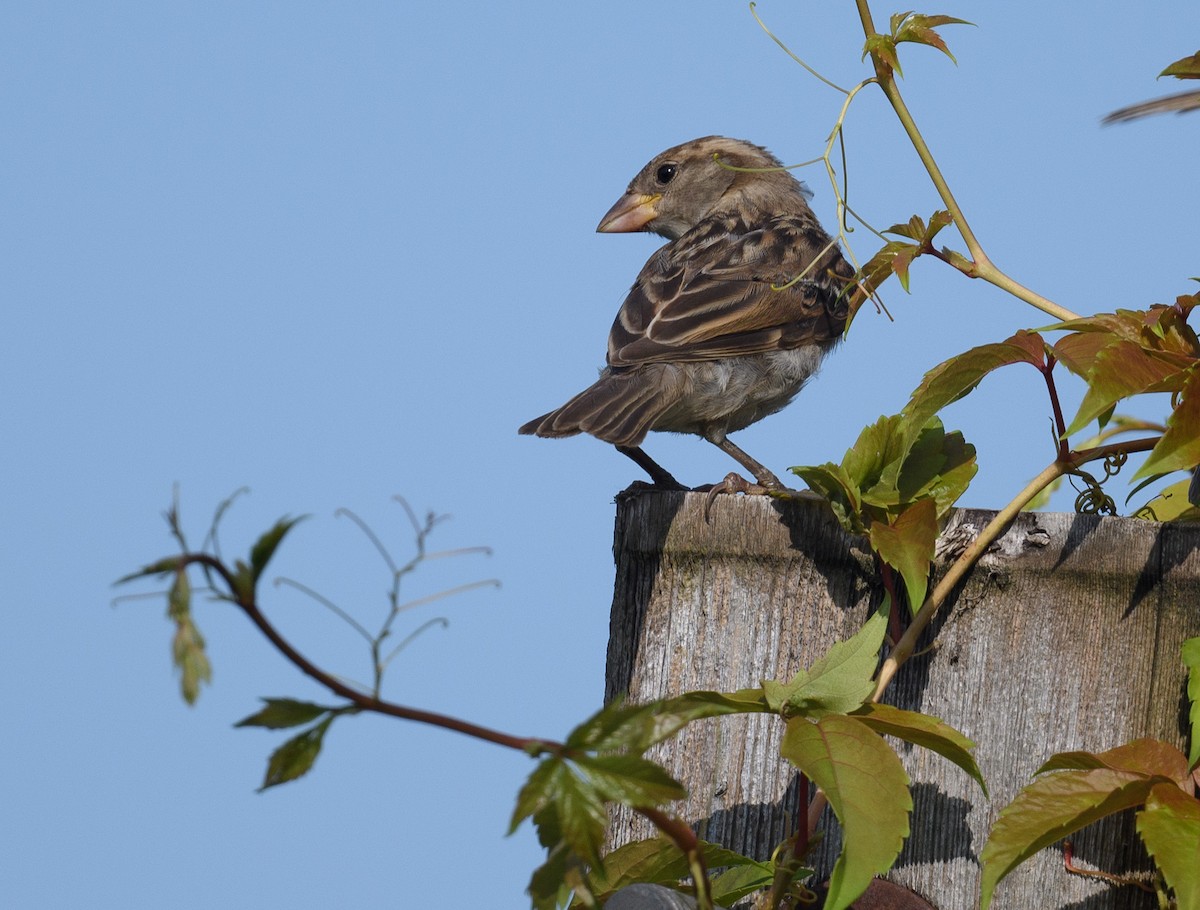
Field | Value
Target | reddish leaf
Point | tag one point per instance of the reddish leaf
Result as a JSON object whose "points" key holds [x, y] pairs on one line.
{"points": [[1148, 757], [1179, 447], [1122, 369], [906, 544], [1048, 810], [883, 48], [954, 378]]}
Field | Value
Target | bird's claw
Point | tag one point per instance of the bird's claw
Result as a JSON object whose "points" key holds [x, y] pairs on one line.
{"points": [[733, 483]]}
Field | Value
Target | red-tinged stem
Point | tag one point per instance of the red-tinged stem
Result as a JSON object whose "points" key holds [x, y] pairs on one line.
{"points": [[360, 700], [1064, 451]]}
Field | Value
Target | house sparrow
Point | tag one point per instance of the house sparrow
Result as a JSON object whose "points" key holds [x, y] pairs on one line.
{"points": [[1179, 103], [725, 323]]}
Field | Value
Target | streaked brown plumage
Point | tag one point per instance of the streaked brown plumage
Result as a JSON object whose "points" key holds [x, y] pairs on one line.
{"points": [[703, 343]]}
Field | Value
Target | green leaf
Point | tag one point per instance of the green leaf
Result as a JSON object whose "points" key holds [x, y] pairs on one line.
{"points": [[618, 726], [162, 567], [907, 545], [867, 790], [536, 792], [832, 482], [281, 713], [1050, 809], [1179, 447], [840, 681], [264, 547], [1169, 504], [629, 779], [581, 815], [1186, 68], [295, 757], [1170, 828], [658, 861], [925, 731], [547, 886], [1190, 652], [732, 885]]}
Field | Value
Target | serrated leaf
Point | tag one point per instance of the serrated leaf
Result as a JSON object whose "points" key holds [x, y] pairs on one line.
{"points": [[629, 779], [535, 793], [1190, 654], [907, 544], [1185, 68], [883, 47], [295, 757], [1122, 369], [281, 713], [1145, 756], [832, 482], [732, 885], [1050, 809], [1169, 504], [581, 815], [1170, 828], [867, 790], [920, 29], [658, 861], [954, 378], [618, 726], [264, 548], [838, 682], [1179, 447], [925, 731], [547, 883]]}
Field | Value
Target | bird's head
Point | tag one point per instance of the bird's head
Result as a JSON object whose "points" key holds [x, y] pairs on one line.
{"points": [[685, 184]]}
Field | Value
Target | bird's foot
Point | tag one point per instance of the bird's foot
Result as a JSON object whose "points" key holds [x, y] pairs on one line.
{"points": [[733, 483]]}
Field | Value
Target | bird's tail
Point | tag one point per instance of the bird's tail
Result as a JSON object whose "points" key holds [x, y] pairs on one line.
{"points": [[619, 408]]}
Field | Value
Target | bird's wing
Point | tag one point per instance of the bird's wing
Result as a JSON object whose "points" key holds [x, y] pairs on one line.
{"points": [[710, 295]]}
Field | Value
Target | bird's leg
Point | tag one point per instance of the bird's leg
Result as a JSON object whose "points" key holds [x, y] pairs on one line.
{"points": [[661, 476], [765, 478]]}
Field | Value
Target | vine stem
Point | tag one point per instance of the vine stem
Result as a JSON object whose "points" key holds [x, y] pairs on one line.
{"points": [[247, 605], [996, 527], [981, 265]]}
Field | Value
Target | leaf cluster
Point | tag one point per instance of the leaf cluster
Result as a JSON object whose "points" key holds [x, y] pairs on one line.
{"points": [[834, 736], [1079, 788]]}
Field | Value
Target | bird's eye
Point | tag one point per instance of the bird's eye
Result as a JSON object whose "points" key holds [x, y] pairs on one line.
{"points": [[665, 173]]}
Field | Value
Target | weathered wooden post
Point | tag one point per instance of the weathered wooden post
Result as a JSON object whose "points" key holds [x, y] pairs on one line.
{"points": [[1065, 636]]}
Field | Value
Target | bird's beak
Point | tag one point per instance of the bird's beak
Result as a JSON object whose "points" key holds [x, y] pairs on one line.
{"points": [[632, 212]]}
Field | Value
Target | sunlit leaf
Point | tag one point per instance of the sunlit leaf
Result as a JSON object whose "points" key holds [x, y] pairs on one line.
{"points": [[867, 790], [954, 378], [1190, 653], [1050, 809], [883, 48], [1170, 828], [840, 681], [907, 545], [925, 731], [1186, 68], [1179, 447], [629, 779], [920, 29], [1145, 756]]}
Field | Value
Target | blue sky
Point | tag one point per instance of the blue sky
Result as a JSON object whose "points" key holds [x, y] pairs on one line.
{"points": [[339, 251]]}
